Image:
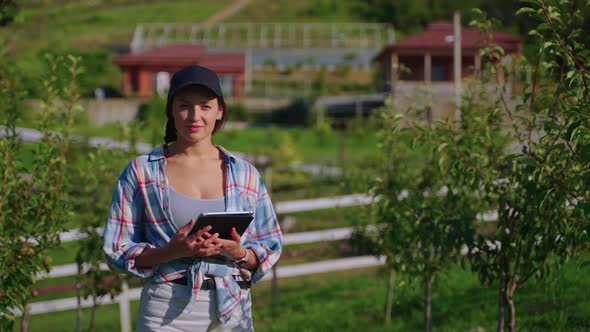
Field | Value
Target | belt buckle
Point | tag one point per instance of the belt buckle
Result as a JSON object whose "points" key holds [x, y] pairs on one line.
{"points": [[208, 284]]}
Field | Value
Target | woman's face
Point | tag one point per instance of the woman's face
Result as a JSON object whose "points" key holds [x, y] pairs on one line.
{"points": [[195, 110]]}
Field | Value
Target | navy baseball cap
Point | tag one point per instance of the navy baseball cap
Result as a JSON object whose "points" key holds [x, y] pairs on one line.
{"points": [[194, 75]]}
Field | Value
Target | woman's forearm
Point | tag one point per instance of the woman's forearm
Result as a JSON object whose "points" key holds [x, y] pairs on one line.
{"points": [[154, 256]]}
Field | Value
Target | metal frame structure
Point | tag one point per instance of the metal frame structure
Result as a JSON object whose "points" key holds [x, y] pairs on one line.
{"points": [[247, 36]]}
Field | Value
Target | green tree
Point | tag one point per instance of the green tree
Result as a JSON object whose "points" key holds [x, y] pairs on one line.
{"points": [[539, 189], [33, 207], [526, 159], [91, 197], [421, 219], [92, 194]]}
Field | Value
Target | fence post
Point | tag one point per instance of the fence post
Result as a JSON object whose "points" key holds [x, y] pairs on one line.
{"points": [[124, 310], [274, 299]]}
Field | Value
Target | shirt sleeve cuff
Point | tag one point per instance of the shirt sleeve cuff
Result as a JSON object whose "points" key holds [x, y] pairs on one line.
{"points": [[140, 272], [264, 260]]}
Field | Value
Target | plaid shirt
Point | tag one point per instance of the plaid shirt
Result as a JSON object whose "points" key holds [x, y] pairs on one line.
{"points": [[140, 218]]}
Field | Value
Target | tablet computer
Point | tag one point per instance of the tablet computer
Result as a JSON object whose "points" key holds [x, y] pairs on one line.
{"points": [[222, 222]]}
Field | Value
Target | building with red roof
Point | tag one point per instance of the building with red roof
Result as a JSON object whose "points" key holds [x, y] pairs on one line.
{"points": [[429, 54], [148, 72]]}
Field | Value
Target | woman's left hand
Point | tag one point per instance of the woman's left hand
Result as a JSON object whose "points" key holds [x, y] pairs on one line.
{"points": [[232, 248]]}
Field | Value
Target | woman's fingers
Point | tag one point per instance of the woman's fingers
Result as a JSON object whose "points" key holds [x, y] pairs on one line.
{"points": [[208, 242], [201, 233], [202, 238], [184, 229], [212, 249], [234, 235], [209, 248]]}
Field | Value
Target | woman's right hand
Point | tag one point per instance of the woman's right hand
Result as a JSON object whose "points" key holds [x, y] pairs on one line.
{"points": [[199, 244]]}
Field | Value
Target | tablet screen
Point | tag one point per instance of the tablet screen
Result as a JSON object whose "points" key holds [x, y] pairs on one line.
{"points": [[222, 222]]}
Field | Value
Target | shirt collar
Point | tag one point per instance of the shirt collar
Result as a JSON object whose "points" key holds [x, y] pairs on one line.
{"points": [[227, 156], [157, 154]]}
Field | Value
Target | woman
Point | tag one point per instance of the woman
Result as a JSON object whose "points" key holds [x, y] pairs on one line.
{"points": [[198, 282]]}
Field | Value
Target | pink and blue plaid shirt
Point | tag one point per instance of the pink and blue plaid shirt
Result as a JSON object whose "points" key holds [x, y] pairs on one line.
{"points": [[140, 218]]}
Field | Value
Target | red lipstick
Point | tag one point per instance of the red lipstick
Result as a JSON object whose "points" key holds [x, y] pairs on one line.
{"points": [[194, 128]]}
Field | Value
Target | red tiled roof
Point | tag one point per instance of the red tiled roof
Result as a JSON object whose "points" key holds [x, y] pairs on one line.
{"points": [[439, 36], [183, 55]]}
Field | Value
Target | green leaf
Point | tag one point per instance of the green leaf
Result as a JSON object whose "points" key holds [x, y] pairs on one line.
{"points": [[571, 129], [525, 10], [526, 160]]}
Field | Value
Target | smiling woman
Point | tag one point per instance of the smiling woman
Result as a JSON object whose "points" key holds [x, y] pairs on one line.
{"points": [[197, 282]]}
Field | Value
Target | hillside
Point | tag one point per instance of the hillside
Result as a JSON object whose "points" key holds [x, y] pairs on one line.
{"points": [[97, 29], [92, 29]]}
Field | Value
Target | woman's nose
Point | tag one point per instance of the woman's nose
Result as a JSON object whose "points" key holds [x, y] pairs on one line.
{"points": [[196, 112]]}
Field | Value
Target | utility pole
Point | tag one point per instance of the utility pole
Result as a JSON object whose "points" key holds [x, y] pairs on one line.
{"points": [[457, 65]]}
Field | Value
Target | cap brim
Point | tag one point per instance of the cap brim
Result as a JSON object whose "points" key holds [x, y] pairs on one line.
{"points": [[171, 93]]}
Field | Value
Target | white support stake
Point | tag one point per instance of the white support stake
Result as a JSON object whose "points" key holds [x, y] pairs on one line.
{"points": [[124, 309]]}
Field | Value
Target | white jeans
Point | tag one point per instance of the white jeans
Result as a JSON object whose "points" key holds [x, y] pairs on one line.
{"points": [[162, 307]]}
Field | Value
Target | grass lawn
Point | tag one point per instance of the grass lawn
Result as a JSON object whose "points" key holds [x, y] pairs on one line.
{"points": [[353, 301], [64, 254], [305, 145], [77, 22], [324, 219], [299, 11], [93, 24], [308, 145]]}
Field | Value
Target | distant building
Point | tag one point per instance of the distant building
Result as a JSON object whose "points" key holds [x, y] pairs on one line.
{"points": [[148, 72], [429, 54], [282, 58], [424, 63]]}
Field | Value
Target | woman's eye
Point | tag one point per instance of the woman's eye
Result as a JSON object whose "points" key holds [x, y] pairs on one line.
{"points": [[206, 107]]}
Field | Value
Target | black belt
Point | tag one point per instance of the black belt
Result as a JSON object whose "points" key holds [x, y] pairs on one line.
{"points": [[209, 284]]}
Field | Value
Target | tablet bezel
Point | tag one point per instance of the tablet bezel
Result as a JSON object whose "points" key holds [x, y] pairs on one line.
{"points": [[222, 222]]}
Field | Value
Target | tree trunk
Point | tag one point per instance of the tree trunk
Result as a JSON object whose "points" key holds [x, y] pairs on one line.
{"points": [[389, 299], [511, 287], [24, 321], [274, 293], [427, 301], [92, 313], [501, 303], [79, 299]]}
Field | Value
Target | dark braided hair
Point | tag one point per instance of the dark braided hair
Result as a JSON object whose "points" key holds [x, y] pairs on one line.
{"points": [[171, 134]]}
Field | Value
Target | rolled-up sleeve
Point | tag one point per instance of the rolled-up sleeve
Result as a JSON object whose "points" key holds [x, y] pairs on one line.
{"points": [[124, 237], [267, 242]]}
